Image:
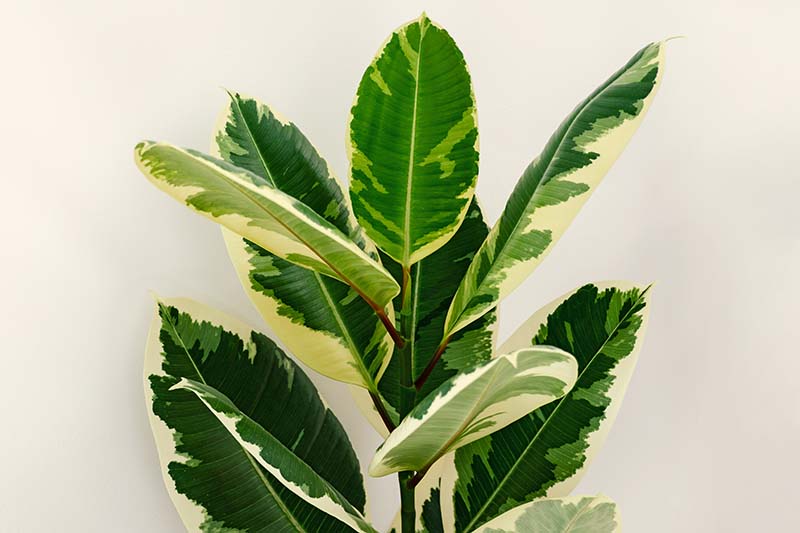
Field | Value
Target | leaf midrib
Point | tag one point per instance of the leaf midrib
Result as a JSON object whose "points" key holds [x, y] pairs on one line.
{"points": [[247, 193], [411, 158], [346, 335], [331, 305], [247, 455], [559, 403], [412, 338], [468, 419], [582, 508], [253, 141], [600, 90]]}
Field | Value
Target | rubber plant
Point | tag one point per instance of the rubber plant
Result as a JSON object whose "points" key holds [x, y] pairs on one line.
{"points": [[394, 292]]}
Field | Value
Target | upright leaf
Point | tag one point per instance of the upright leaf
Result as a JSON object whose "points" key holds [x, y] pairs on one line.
{"points": [[474, 404], [434, 281], [253, 136], [576, 514], [247, 205], [276, 458], [546, 452], [556, 184], [319, 319], [413, 143], [214, 482]]}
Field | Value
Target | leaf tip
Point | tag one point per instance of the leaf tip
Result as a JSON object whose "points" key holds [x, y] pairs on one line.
{"points": [[231, 94], [140, 148], [424, 21], [377, 469]]}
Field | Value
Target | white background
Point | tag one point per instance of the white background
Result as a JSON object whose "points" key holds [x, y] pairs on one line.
{"points": [[704, 202]]}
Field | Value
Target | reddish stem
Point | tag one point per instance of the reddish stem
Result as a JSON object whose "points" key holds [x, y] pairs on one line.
{"points": [[381, 408], [396, 337], [431, 365], [414, 481]]}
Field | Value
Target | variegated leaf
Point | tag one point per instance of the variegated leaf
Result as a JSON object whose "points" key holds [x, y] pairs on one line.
{"points": [[576, 514], [429, 495], [413, 143], [546, 452], [321, 320], [277, 459], [252, 136], [213, 481], [434, 281], [474, 404], [556, 184], [427, 501], [247, 205]]}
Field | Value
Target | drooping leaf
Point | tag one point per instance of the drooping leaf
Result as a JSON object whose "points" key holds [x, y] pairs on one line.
{"points": [[321, 320], [576, 514], [474, 404], [276, 458], [413, 143], [247, 205], [546, 452], [434, 281], [214, 482], [556, 184]]}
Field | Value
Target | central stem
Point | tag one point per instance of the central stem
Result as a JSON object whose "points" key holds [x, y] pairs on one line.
{"points": [[407, 509], [407, 398]]}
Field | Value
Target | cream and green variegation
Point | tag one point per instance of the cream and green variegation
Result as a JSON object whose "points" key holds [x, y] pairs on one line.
{"points": [[602, 325], [428, 494], [392, 289], [556, 185], [576, 514], [277, 459], [474, 404], [413, 143], [321, 320], [245, 204], [434, 281], [214, 482]]}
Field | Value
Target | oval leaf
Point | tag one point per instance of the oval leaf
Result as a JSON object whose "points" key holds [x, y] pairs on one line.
{"points": [[276, 458], [254, 137], [474, 404], [556, 185], [546, 452], [577, 514], [242, 202], [220, 487], [435, 280], [319, 319], [413, 143]]}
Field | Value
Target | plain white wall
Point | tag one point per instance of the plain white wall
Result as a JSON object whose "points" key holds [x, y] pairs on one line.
{"points": [[703, 202]]}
